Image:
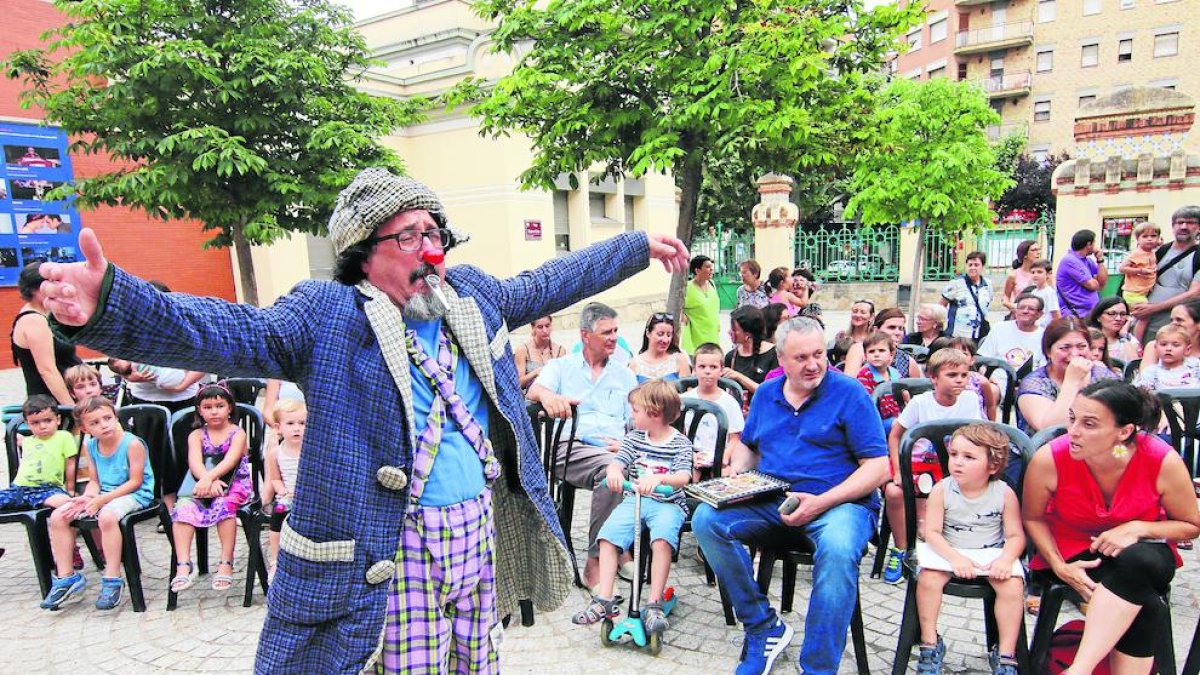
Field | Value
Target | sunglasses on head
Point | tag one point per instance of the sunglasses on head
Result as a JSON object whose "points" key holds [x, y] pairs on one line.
{"points": [[663, 316]]}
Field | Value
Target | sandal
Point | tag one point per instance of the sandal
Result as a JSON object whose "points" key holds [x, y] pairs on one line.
{"points": [[597, 610], [182, 582], [223, 582], [1033, 605]]}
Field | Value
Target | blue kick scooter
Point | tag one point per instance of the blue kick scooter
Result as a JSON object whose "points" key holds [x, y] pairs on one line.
{"points": [[632, 625]]}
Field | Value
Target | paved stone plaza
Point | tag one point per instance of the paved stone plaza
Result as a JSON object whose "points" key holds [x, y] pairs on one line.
{"points": [[212, 632]]}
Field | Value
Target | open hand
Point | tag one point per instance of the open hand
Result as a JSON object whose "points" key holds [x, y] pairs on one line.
{"points": [[670, 251], [1075, 575], [72, 290]]}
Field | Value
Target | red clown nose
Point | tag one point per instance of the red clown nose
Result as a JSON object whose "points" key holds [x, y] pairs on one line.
{"points": [[433, 256]]}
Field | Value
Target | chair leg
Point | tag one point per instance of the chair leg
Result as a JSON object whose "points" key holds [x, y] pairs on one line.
{"points": [[787, 591], [989, 623], [766, 568], [38, 533], [172, 596], [726, 605], [710, 577], [1165, 660], [885, 537], [526, 613], [1023, 662], [202, 549], [909, 627], [858, 636], [89, 540], [1043, 629], [1191, 665], [132, 565]]}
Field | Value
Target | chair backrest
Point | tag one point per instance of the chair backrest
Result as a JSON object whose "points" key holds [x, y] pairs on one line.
{"points": [[151, 423], [1046, 435], [250, 420], [989, 366], [16, 427], [692, 416], [735, 390], [549, 434], [918, 352], [914, 386], [938, 434], [245, 389], [1182, 410], [1131, 369]]}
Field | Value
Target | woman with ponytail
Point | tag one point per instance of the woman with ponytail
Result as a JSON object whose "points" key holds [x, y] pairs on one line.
{"points": [[1021, 276], [1105, 504]]}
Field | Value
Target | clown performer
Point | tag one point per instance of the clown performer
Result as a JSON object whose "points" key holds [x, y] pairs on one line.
{"points": [[421, 512]]}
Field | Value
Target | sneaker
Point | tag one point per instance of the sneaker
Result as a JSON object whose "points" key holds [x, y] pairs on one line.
{"points": [[893, 568], [63, 589], [1005, 665], [654, 618], [930, 660], [110, 593], [761, 649]]}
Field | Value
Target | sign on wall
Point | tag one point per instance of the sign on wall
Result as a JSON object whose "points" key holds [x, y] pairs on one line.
{"points": [[33, 229]]}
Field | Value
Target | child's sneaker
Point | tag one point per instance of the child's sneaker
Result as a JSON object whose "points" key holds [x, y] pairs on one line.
{"points": [[654, 618], [63, 589], [760, 650], [110, 593], [1005, 665], [930, 660], [893, 568]]}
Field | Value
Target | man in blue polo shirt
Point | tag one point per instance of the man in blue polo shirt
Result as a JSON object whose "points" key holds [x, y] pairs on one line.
{"points": [[818, 430], [600, 386]]}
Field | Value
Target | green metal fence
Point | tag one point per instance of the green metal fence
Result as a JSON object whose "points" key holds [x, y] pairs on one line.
{"points": [[941, 261], [727, 250], [848, 252]]}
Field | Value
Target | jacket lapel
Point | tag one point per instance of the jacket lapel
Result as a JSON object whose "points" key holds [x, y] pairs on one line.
{"points": [[466, 322], [388, 325]]}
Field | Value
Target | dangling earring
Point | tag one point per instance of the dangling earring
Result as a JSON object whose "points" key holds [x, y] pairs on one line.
{"points": [[1120, 451]]}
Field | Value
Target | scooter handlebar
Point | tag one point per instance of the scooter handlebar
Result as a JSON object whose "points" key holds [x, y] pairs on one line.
{"points": [[664, 490]]}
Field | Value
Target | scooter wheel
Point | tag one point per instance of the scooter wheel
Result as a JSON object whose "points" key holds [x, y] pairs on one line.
{"points": [[654, 643], [606, 627]]}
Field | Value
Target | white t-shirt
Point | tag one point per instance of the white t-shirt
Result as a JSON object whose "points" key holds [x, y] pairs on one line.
{"points": [[1184, 376], [164, 377], [1014, 345], [924, 408], [1049, 297], [706, 434]]}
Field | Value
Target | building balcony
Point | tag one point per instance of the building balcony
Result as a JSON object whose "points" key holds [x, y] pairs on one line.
{"points": [[999, 131], [1004, 36], [1009, 85], [972, 3]]}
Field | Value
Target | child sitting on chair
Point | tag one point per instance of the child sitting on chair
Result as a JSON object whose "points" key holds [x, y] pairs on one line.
{"points": [[46, 476], [709, 364], [972, 529], [283, 463], [661, 456], [123, 483]]}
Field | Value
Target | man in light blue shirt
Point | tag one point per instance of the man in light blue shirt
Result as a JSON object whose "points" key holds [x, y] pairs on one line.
{"points": [[600, 387]]}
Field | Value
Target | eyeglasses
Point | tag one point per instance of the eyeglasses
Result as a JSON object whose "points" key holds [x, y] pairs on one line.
{"points": [[1116, 315], [1029, 308], [410, 240], [663, 316]]}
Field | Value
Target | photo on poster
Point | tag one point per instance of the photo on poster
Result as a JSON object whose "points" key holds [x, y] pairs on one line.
{"points": [[3, 189], [41, 254], [6, 224], [8, 257], [43, 223], [32, 189], [26, 155]]}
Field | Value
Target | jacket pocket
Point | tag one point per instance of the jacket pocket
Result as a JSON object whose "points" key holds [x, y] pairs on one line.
{"points": [[315, 581]]}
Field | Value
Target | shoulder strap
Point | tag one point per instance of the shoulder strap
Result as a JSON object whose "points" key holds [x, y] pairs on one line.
{"points": [[1173, 261]]}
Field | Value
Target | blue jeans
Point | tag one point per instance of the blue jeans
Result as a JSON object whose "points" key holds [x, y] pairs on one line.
{"points": [[840, 537]]}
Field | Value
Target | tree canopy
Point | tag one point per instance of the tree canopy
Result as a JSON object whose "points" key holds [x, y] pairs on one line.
{"points": [[657, 85], [1032, 190], [931, 162], [242, 115]]}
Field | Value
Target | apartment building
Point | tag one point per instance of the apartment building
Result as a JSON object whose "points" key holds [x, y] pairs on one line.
{"points": [[1040, 60]]}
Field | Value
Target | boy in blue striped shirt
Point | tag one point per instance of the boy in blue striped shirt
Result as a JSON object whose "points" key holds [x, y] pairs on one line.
{"points": [[652, 454]]}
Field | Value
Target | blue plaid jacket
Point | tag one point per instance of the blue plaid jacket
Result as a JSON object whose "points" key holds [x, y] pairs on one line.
{"points": [[324, 616]]}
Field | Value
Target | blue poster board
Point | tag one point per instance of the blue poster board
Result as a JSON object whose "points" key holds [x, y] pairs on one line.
{"points": [[35, 159]]}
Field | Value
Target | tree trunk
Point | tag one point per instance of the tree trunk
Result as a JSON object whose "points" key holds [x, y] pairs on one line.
{"points": [[691, 173], [918, 271], [245, 265]]}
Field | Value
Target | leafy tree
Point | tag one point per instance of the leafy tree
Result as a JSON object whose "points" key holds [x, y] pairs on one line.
{"points": [[238, 114], [931, 163], [1032, 189], [659, 85]]}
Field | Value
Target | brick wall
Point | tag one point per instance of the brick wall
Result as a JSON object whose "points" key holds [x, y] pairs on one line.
{"points": [[167, 251]]}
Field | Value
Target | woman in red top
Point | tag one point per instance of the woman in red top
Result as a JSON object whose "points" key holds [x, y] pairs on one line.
{"points": [[1104, 505]]}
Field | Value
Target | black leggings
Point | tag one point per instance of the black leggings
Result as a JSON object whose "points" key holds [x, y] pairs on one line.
{"points": [[1141, 575]]}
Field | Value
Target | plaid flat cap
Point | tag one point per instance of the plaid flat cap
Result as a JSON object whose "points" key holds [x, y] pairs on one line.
{"points": [[374, 196]]}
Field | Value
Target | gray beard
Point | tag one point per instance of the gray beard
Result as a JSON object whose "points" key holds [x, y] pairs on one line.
{"points": [[423, 307]]}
